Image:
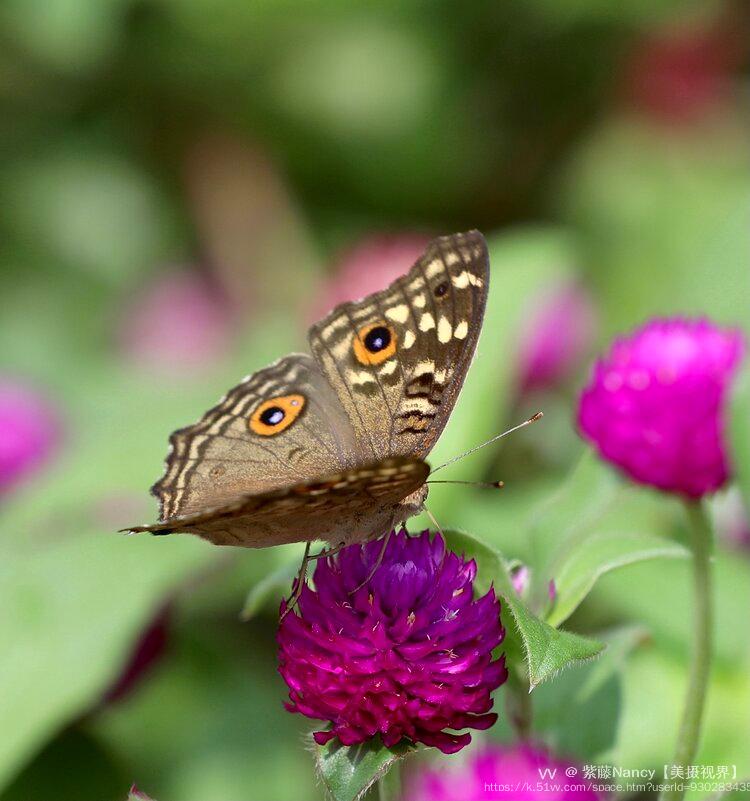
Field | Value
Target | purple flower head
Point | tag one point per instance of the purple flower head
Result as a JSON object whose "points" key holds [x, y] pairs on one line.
{"points": [[499, 772], [408, 655], [555, 336], [29, 432], [655, 404]]}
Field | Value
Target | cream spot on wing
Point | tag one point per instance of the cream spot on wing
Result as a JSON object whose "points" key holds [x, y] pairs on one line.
{"points": [[425, 366], [452, 258], [426, 322], [399, 314], [441, 375], [340, 349], [416, 284], [461, 330], [444, 330], [333, 327], [475, 280], [461, 281], [362, 377], [435, 267], [389, 367], [416, 405], [419, 301], [409, 339]]}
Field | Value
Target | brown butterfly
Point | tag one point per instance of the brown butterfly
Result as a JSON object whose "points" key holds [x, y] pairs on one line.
{"points": [[332, 446]]}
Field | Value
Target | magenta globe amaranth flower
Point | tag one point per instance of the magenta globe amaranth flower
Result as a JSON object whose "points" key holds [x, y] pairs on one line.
{"points": [[655, 404], [408, 655], [29, 432], [520, 773]]}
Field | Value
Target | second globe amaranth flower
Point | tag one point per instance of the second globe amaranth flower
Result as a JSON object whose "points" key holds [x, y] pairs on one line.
{"points": [[407, 655], [501, 772], [655, 404]]}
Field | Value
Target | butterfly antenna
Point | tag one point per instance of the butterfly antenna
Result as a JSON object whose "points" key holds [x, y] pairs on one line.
{"points": [[487, 484], [537, 416]]}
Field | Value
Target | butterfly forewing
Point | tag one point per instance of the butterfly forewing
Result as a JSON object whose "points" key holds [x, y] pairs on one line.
{"points": [[345, 506], [397, 359]]}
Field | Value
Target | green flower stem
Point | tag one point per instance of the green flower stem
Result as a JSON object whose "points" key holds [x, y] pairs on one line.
{"points": [[389, 785], [701, 541], [518, 704]]}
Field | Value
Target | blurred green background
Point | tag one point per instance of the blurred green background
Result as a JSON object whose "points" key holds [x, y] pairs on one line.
{"points": [[185, 185]]}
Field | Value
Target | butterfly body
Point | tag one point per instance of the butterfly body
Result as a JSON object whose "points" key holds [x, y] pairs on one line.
{"points": [[332, 445]]}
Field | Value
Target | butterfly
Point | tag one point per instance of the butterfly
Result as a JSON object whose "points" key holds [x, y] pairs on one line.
{"points": [[331, 445]]}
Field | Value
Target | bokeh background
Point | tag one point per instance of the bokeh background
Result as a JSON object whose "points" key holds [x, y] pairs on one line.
{"points": [[184, 186]]}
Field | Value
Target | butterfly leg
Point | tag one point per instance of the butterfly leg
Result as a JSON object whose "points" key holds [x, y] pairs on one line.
{"points": [[299, 583], [377, 564], [302, 575]]}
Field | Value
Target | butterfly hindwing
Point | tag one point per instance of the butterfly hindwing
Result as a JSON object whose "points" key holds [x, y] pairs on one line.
{"points": [[397, 359], [362, 500]]}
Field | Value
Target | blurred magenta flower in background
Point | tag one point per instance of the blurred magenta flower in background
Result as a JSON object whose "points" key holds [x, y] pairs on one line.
{"points": [[30, 431], [408, 655], [502, 772], [654, 405], [368, 266], [555, 336], [683, 72], [177, 325]]}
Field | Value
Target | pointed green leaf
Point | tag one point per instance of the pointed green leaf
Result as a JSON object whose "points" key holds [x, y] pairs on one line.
{"points": [[547, 650], [600, 554], [349, 772]]}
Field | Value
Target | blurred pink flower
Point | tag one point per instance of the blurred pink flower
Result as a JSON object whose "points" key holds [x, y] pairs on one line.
{"points": [[29, 432], [502, 772], [555, 336], [178, 324], [654, 404], [368, 266], [682, 73]]}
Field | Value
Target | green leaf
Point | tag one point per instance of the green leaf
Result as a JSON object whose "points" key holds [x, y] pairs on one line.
{"points": [[739, 431], [349, 772], [547, 651], [579, 713], [72, 611], [273, 586], [600, 554], [572, 512]]}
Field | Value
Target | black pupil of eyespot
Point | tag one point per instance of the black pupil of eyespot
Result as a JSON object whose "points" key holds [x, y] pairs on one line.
{"points": [[441, 289], [377, 339], [272, 416]]}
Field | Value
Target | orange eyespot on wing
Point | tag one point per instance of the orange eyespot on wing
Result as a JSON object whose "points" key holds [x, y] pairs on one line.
{"points": [[374, 343], [276, 414]]}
